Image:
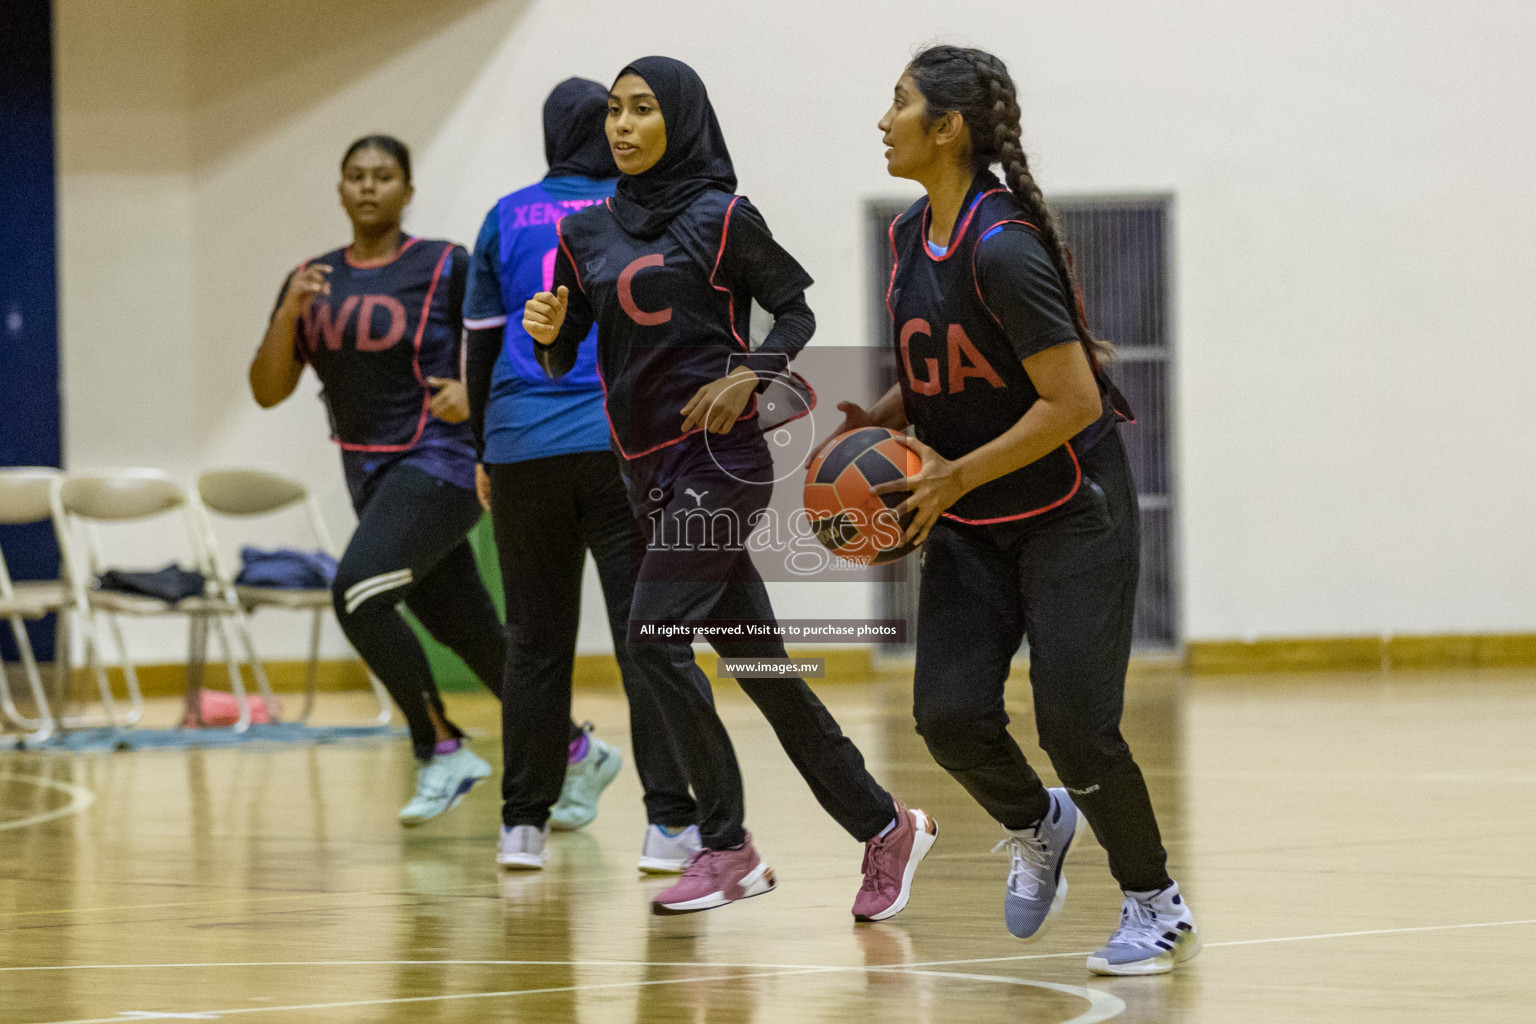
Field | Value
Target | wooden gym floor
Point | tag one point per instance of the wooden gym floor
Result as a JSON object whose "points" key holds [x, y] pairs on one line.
{"points": [[1357, 848]]}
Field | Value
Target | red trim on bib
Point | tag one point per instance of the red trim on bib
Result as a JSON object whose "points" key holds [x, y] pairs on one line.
{"points": [[1076, 483]]}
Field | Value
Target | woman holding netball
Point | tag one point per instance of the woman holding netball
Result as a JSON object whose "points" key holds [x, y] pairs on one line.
{"points": [[667, 270], [1026, 501], [380, 322]]}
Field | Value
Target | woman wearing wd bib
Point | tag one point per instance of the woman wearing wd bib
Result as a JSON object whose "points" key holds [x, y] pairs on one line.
{"points": [[380, 323], [667, 270], [1027, 503]]}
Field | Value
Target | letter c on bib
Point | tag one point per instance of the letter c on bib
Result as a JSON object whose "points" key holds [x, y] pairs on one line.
{"points": [[627, 298]]}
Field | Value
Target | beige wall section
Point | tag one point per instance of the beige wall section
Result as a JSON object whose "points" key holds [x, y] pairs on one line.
{"points": [[127, 291]]}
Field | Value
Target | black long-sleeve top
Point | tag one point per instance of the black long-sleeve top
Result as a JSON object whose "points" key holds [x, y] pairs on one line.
{"points": [[673, 312]]}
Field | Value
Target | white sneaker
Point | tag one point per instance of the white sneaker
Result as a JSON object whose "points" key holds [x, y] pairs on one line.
{"points": [[442, 782], [1156, 932], [663, 854], [522, 847]]}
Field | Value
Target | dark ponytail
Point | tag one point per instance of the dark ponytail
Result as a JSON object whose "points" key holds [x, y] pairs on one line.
{"points": [[977, 86], [388, 144]]}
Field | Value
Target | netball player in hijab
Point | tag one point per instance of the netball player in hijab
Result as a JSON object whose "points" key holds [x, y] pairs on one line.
{"points": [[1027, 503], [380, 322], [667, 270], [555, 493]]}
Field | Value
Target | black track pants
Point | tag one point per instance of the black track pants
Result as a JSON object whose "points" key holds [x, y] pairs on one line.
{"points": [[1067, 581], [547, 514], [410, 546], [706, 582]]}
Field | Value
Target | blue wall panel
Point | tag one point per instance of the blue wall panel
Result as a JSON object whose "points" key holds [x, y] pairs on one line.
{"points": [[30, 421]]}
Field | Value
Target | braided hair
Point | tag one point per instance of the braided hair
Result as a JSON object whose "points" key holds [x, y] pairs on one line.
{"points": [[977, 86]]}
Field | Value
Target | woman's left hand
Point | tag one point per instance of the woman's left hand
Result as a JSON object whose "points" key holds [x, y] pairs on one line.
{"points": [[716, 405], [934, 488], [451, 403]]}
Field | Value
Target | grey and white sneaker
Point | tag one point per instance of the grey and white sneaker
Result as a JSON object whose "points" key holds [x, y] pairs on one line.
{"points": [[1156, 932], [523, 847], [1036, 886], [665, 854], [584, 783]]}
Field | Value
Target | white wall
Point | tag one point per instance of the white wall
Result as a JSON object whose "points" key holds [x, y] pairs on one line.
{"points": [[1354, 240], [127, 300]]}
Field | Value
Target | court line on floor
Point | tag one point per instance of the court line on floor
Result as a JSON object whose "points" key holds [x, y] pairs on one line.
{"points": [[743, 966], [1374, 931], [80, 799], [1240, 942], [457, 996], [1102, 1006]]}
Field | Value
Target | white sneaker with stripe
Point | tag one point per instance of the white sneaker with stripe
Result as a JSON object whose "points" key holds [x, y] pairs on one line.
{"points": [[1156, 933]]}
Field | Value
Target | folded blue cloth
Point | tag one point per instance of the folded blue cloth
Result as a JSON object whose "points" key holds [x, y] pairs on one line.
{"points": [[286, 569]]}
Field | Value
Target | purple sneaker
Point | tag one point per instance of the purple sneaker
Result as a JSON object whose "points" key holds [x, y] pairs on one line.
{"points": [[714, 878], [890, 861]]}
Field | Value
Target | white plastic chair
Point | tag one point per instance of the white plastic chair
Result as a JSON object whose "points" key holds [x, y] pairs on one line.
{"points": [[242, 493], [25, 497], [127, 495]]}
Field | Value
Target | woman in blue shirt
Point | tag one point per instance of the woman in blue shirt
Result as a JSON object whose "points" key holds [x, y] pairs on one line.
{"points": [[555, 493]]}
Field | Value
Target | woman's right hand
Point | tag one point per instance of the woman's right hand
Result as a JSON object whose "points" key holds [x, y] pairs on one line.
{"points": [[544, 314], [854, 417], [304, 286]]}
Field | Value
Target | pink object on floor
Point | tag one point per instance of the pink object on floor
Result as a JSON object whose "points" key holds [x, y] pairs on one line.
{"points": [[218, 708]]}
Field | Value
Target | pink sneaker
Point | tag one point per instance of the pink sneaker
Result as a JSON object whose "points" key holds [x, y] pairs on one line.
{"points": [[714, 878], [890, 861]]}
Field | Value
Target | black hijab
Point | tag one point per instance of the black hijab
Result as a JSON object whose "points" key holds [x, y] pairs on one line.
{"points": [[696, 159], [574, 142]]}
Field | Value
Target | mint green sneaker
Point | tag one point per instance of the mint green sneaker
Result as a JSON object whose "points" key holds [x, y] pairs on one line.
{"points": [[584, 783], [441, 783]]}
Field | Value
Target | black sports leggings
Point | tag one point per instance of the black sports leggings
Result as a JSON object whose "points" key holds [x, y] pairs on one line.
{"points": [[410, 545], [1067, 581]]}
